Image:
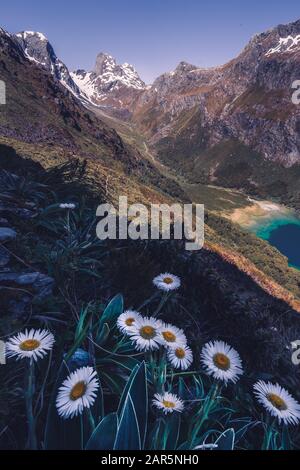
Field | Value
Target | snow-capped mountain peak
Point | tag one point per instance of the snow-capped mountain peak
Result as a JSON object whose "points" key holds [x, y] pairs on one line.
{"points": [[26, 34], [108, 75], [110, 84], [38, 49], [105, 63]]}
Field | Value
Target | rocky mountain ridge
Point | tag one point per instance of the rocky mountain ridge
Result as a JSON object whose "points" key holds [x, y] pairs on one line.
{"points": [[38, 49], [247, 99], [110, 85]]}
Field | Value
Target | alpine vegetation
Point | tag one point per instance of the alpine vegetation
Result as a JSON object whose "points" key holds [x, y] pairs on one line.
{"points": [[132, 344]]}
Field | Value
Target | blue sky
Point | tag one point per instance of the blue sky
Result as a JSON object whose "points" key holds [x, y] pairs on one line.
{"points": [[152, 35]]}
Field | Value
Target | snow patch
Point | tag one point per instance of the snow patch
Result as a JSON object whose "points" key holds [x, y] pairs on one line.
{"points": [[84, 82], [288, 44], [25, 34], [108, 77]]}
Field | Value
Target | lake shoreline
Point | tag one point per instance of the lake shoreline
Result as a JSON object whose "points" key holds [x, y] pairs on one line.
{"points": [[259, 212], [275, 223]]}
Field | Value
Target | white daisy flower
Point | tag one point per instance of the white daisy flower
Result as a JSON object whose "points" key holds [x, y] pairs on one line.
{"points": [[146, 333], [181, 357], [167, 282], [278, 402], [33, 344], [168, 402], [127, 319], [67, 205], [77, 392], [221, 361], [172, 336]]}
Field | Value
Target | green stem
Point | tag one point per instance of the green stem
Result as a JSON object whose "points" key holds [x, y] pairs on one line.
{"points": [[161, 304], [148, 301], [81, 433], [209, 402], [29, 393], [270, 428], [91, 420], [151, 361]]}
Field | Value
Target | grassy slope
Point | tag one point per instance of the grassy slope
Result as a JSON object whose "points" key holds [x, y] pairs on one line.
{"points": [[253, 256], [230, 163]]}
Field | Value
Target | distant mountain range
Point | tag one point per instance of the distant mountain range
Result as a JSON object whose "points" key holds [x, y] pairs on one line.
{"points": [[188, 113], [234, 125]]}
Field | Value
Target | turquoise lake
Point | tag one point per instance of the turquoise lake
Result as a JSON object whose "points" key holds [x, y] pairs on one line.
{"points": [[283, 232]]}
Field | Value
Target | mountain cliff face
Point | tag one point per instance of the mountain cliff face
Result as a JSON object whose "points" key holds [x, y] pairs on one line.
{"points": [[47, 121], [191, 109], [39, 109], [38, 50], [110, 85]]}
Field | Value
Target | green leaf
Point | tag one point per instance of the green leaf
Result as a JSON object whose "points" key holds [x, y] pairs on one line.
{"points": [[172, 431], [78, 341], [127, 388], [156, 435], [126, 362], [226, 440], [98, 407], [81, 322], [114, 383], [128, 436], [104, 436], [112, 311], [183, 391], [136, 387], [285, 439], [184, 446], [103, 334]]}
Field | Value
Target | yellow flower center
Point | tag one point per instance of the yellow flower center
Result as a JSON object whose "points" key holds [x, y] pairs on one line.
{"points": [[168, 404], [169, 336], [147, 332], [221, 361], [29, 345], [277, 401], [78, 391], [168, 280], [180, 353], [129, 321]]}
